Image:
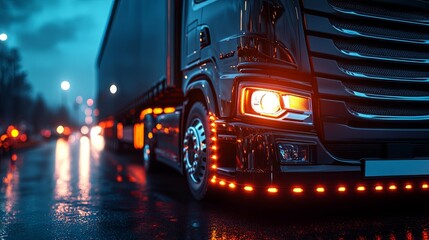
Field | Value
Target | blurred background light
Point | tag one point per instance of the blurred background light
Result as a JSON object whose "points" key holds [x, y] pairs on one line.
{"points": [[3, 37], [65, 85], [113, 89]]}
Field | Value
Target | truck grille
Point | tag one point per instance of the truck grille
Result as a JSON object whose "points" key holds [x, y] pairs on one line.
{"points": [[371, 62]]}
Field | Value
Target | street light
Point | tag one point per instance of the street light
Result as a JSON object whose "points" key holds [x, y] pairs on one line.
{"points": [[3, 37], [65, 85], [113, 89]]}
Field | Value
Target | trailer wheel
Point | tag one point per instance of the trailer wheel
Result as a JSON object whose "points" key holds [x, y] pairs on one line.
{"points": [[196, 151], [149, 160]]}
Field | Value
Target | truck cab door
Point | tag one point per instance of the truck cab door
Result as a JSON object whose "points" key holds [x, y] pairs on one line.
{"points": [[191, 41]]}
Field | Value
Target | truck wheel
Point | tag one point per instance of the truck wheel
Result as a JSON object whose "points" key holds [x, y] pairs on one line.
{"points": [[196, 151], [149, 160]]}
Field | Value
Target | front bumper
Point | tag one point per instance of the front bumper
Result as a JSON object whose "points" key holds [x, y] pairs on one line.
{"points": [[248, 160]]}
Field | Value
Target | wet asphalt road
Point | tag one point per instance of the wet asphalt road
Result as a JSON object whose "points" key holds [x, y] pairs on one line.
{"points": [[73, 189]]}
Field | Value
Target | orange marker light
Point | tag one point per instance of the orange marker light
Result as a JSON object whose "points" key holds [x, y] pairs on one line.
{"points": [[14, 133], [341, 189], [157, 110], [425, 186], [378, 188], [119, 178], [320, 189], [213, 180], [169, 110], [120, 131], [296, 103], [14, 157], [145, 112], [248, 188], [393, 187], [272, 190], [222, 183], [214, 166], [231, 185], [297, 190], [408, 186], [361, 188]]}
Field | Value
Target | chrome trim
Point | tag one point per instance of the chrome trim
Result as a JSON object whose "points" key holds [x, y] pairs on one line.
{"points": [[386, 97], [395, 39], [401, 79], [297, 116], [390, 118], [409, 60], [350, 12]]}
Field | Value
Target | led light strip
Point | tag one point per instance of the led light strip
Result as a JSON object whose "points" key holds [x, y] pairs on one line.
{"points": [[297, 190]]}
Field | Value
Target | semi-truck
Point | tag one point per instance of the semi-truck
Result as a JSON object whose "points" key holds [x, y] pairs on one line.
{"points": [[271, 96]]}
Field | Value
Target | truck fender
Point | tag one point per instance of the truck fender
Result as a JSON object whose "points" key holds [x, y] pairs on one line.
{"points": [[204, 88]]}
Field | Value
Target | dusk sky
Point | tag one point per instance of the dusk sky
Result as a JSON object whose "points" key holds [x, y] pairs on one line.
{"points": [[58, 40]]}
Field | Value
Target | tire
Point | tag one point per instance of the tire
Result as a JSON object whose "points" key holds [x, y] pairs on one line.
{"points": [[150, 163], [196, 150]]}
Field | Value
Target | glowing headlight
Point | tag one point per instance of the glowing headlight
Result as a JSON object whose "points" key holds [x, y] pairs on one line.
{"points": [[265, 102], [275, 104]]}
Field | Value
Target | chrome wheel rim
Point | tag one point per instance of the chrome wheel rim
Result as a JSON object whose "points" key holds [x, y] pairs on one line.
{"points": [[195, 153]]}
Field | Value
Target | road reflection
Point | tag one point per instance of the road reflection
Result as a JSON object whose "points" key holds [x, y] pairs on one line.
{"points": [[62, 169], [73, 200], [10, 184], [84, 176], [70, 189]]}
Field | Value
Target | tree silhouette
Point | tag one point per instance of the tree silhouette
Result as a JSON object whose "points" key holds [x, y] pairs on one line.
{"points": [[16, 104], [14, 88]]}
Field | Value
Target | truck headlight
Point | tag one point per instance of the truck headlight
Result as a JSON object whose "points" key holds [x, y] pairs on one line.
{"points": [[267, 103]]}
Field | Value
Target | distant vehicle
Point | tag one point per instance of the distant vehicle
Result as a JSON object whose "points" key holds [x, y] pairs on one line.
{"points": [[46, 133], [63, 131], [273, 96], [10, 138]]}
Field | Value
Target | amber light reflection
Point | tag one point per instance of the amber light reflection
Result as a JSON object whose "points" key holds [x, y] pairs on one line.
{"points": [[10, 181], [62, 169], [84, 168], [97, 141]]}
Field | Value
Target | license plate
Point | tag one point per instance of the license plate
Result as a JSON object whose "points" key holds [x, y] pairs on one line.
{"points": [[396, 168]]}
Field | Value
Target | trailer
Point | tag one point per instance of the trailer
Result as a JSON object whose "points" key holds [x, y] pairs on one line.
{"points": [[271, 96]]}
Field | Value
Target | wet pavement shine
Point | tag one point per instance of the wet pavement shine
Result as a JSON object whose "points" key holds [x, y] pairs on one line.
{"points": [[73, 189]]}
